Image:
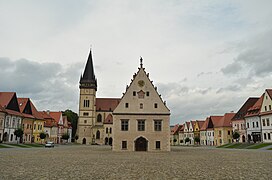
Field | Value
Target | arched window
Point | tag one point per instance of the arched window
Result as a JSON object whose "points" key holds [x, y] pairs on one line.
{"points": [[99, 118], [110, 130], [98, 134], [106, 130]]}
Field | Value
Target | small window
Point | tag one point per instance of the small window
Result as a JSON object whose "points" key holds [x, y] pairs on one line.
{"points": [[265, 108], [147, 93], [141, 125], [253, 124], [86, 103], [107, 130], [97, 134], [269, 137], [263, 122], [141, 106], [85, 121], [264, 135], [257, 124], [124, 144], [124, 125], [85, 114], [228, 132], [110, 130], [158, 145], [267, 122], [134, 93], [155, 105], [126, 105], [157, 125], [269, 107]]}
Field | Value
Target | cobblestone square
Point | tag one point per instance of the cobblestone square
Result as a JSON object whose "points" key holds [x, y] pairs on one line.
{"points": [[99, 162]]}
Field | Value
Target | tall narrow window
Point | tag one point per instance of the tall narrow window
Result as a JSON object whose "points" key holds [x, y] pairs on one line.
{"points": [[269, 137], [99, 118], [147, 93], [124, 144], [134, 93], [158, 145], [253, 124], [269, 107], [141, 106], [110, 130], [267, 122], [124, 125], [141, 125], [86, 103], [263, 122], [98, 134], [106, 130], [157, 125], [126, 105], [264, 135], [155, 105], [265, 108], [257, 124]]}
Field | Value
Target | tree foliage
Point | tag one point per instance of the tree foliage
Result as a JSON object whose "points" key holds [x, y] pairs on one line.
{"points": [[19, 132], [42, 135], [65, 136], [72, 118], [197, 139], [236, 135], [187, 140]]}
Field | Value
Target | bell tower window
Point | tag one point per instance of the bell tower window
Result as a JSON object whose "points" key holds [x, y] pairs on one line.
{"points": [[86, 103]]}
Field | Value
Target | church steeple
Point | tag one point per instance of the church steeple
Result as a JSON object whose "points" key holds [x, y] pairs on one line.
{"points": [[88, 79]]}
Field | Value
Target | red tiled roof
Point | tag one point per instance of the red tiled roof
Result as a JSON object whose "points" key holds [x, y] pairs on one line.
{"points": [[200, 123], [107, 104], [215, 120], [50, 123], [55, 115], [256, 108], [269, 92], [5, 98], [22, 103], [109, 119], [45, 115], [35, 112], [16, 113], [2, 109], [204, 125], [181, 128], [225, 121], [243, 110], [175, 129]]}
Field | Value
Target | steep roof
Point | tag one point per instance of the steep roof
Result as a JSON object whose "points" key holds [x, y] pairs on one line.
{"points": [[256, 108], [88, 79], [22, 103], [175, 129], [2, 109], [243, 110], [109, 119], [204, 125], [269, 92], [55, 115], [225, 121], [200, 123], [35, 112], [213, 121], [5, 98], [106, 104]]}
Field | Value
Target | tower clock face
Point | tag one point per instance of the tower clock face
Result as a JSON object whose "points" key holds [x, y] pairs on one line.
{"points": [[141, 83]]}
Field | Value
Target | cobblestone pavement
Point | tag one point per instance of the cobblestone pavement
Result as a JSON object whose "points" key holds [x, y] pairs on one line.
{"points": [[99, 162]]}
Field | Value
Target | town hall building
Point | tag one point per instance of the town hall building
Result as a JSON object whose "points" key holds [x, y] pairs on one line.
{"points": [[138, 121]]}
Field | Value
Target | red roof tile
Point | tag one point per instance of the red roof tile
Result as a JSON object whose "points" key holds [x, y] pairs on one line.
{"points": [[214, 121], [2, 109], [204, 125], [200, 123], [243, 110], [225, 121], [5, 98], [256, 108], [35, 112], [22, 103], [55, 115], [107, 104]]}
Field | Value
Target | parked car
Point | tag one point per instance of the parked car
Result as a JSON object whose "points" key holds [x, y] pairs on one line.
{"points": [[49, 144]]}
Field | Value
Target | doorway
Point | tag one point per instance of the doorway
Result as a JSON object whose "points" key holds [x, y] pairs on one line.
{"points": [[84, 141], [141, 144]]}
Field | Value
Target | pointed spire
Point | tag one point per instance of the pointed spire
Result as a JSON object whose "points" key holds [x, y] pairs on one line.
{"points": [[88, 79], [141, 61]]}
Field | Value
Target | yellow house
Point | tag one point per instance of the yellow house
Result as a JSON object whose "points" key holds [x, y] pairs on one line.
{"points": [[197, 125], [223, 130], [38, 125]]}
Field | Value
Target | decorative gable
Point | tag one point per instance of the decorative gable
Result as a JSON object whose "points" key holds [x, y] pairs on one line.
{"points": [[141, 96], [267, 101]]}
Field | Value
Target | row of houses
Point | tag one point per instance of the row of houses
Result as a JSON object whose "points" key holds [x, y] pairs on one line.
{"points": [[20, 113], [253, 122]]}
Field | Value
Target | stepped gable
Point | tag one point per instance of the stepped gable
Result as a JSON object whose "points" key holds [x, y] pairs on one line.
{"points": [[107, 104], [256, 108], [225, 121], [141, 90], [243, 110]]}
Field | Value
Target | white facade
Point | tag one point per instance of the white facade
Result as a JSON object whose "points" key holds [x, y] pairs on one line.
{"points": [[210, 137], [11, 124], [253, 126], [266, 128], [191, 133]]}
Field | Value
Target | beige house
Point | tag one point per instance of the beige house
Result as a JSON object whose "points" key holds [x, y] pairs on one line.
{"points": [[2, 122], [141, 119], [138, 121]]}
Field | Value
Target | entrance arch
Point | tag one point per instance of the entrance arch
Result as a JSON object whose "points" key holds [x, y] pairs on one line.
{"points": [[141, 144], [110, 141], [243, 138], [84, 141]]}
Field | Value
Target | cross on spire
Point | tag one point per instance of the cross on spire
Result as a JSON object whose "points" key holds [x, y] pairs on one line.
{"points": [[141, 61]]}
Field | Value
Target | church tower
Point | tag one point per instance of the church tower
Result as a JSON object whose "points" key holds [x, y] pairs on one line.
{"points": [[88, 88]]}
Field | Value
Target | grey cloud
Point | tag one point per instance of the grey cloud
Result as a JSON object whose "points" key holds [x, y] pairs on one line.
{"points": [[232, 68], [49, 85], [204, 74], [229, 88]]}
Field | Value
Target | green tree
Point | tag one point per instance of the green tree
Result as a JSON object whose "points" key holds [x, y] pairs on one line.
{"points": [[236, 136], [65, 136], [197, 139], [72, 118], [42, 135], [187, 140], [19, 134]]}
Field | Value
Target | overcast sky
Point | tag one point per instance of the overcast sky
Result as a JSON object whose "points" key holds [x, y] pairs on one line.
{"points": [[206, 57]]}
